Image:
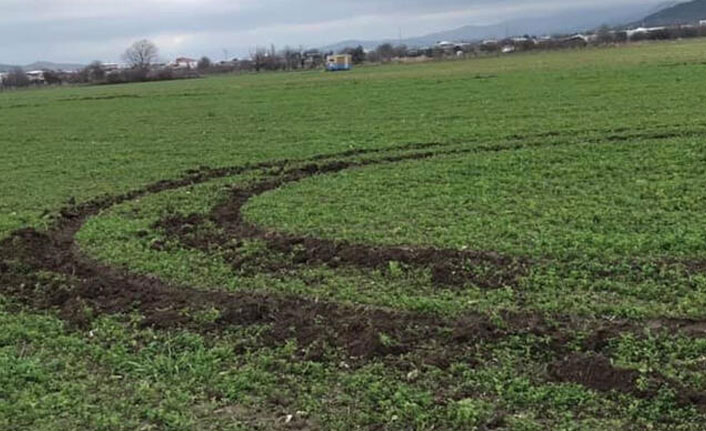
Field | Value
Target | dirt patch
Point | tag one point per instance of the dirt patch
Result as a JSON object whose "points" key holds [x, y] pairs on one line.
{"points": [[449, 267], [93, 289], [105, 97], [597, 372], [86, 289], [90, 289]]}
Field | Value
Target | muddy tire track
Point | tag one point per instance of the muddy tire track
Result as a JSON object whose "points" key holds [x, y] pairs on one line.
{"points": [[88, 288], [449, 267]]}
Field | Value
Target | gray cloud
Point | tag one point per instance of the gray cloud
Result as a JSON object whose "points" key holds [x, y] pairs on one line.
{"points": [[82, 30]]}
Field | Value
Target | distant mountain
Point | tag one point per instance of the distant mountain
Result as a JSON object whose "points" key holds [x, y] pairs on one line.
{"points": [[6, 67], [53, 66], [42, 65], [677, 13], [566, 22]]}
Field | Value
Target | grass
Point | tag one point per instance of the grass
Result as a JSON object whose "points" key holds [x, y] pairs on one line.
{"points": [[588, 164], [562, 201], [104, 139]]}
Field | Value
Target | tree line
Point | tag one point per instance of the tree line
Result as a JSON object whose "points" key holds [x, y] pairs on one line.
{"points": [[142, 57]]}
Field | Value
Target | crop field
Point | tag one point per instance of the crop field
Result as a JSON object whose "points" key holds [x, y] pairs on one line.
{"points": [[513, 243]]}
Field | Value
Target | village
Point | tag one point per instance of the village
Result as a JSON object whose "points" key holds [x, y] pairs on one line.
{"points": [[288, 59]]}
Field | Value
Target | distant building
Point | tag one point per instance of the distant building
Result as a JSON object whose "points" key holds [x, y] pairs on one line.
{"points": [[36, 76], [312, 58], [184, 63], [415, 52], [445, 45], [642, 30], [109, 67], [575, 41]]}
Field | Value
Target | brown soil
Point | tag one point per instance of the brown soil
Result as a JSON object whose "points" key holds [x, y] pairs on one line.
{"points": [[91, 289], [595, 372], [448, 267], [86, 288], [598, 373]]}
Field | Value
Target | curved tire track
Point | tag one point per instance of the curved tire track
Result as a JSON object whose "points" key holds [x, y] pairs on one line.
{"points": [[356, 329]]}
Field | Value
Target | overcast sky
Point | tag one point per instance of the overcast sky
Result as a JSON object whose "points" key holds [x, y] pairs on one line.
{"points": [[84, 30]]}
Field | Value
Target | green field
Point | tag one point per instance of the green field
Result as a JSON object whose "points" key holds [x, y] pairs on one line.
{"points": [[511, 243]]}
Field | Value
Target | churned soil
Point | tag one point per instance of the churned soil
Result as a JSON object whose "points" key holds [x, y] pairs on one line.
{"points": [[597, 372], [449, 267], [45, 270]]}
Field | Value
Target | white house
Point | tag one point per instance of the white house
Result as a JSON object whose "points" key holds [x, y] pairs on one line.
{"points": [[184, 63], [446, 45], [36, 76], [111, 67], [642, 30]]}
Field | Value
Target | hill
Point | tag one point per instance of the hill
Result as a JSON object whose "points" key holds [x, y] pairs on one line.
{"points": [[6, 67], [53, 66], [680, 13], [566, 22], [41, 65]]}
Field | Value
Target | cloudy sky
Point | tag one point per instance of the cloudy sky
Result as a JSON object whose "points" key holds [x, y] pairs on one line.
{"points": [[84, 30]]}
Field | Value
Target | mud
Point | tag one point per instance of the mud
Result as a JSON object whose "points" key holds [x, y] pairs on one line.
{"points": [[449, 267], [105, 97], [90, 289], [597, 372], [84, 289]]}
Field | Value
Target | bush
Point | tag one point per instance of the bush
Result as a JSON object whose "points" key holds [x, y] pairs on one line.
{"points": [[162, 75]]}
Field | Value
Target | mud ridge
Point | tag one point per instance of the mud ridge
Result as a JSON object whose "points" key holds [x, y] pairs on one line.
{"points": [[87, 288], [90, 289], [449, 267], [597, 372]]}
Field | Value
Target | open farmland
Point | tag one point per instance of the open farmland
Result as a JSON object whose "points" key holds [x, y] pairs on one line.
{"points": [[510, 243]]}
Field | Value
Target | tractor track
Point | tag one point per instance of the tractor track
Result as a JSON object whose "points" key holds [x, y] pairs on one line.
{"points": [[87, 284]]}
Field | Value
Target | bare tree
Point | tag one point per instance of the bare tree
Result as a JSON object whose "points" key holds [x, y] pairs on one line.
{"points": [[604, 35], [291, 58], [204, 63], [386, 51], [94, 72], [141, 54], [358, 54], [259, 58], [52, 78], [16, 78]]}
